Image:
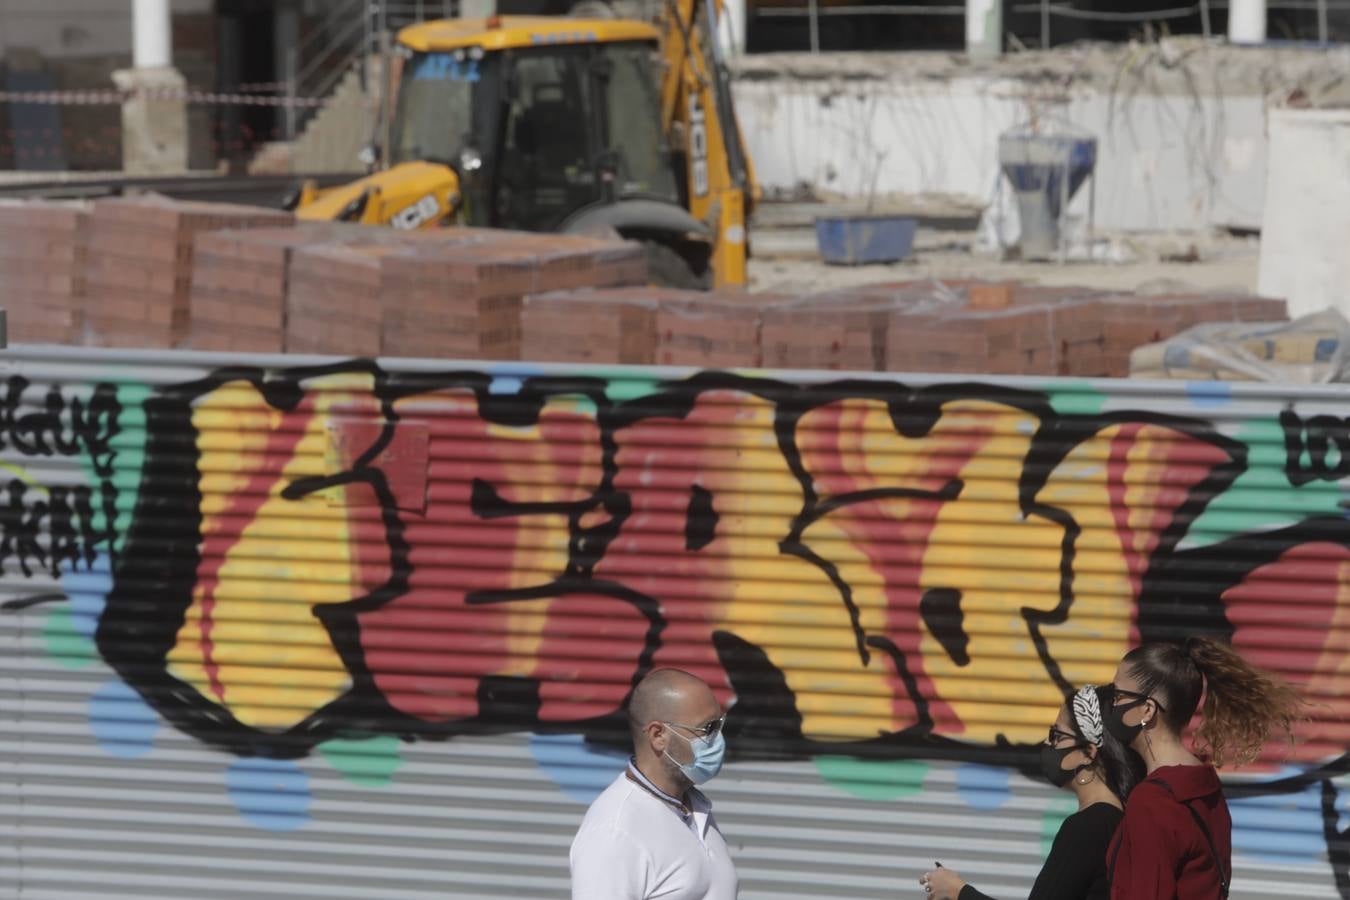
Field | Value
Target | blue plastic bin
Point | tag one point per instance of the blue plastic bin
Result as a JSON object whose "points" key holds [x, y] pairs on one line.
{"points": [[860, 240]]}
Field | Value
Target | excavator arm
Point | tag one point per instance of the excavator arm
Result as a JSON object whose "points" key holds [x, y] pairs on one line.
{"points": [[698, 113]]}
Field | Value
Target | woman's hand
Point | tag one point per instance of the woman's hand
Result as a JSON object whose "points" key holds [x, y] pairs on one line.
{"points": [[942, 884]]}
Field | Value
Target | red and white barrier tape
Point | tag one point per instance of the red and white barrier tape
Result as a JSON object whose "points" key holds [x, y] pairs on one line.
{"points": [[117, 98]]}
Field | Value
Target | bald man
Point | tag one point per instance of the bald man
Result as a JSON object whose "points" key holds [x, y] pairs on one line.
{"points": [[651, 834]]}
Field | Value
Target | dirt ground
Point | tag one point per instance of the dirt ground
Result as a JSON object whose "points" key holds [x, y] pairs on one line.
{"points": [[785, 259]]}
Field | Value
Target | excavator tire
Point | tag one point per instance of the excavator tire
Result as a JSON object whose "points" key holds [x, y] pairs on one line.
{"points": [[666, 268]]}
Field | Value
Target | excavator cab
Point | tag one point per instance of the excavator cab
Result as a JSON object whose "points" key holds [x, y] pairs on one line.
{"points": [[536, 124], [539, 133]]}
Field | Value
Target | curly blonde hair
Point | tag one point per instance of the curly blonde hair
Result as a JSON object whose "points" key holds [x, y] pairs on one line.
{"points": [[1244, 705]]}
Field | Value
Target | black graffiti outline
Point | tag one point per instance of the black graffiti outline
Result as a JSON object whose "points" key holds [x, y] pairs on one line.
{"points": [[138, 653], [1338, 840], [65, 515], [913, 410], [1315, 436], [61, 427]]}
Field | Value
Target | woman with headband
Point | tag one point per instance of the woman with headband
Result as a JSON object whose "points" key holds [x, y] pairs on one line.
{"points": [[1081, 754]]}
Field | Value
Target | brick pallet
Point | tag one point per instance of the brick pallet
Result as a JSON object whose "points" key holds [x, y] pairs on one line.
{"points": [[710, 330], [462, 296], [140, 259], [43, 245], [1131, 320], [605, 326], [240, 280], [648, 325], [841, 330], [333, 300], [1039, 330]]}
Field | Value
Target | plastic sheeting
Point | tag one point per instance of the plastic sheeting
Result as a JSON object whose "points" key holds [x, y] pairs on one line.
{"points": [[1314, 349]]}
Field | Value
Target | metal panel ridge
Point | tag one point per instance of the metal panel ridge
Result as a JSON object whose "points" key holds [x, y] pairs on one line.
{"points": [[279, 626]]}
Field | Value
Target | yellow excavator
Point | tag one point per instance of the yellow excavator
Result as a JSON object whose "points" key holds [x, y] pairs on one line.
{"points": [[553, 123]]}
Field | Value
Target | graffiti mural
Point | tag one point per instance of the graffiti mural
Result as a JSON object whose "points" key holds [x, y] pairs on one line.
{"points": [[290, 560]]}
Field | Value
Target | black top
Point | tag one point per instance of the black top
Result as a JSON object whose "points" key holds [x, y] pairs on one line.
{"points": [[1076, 866]]}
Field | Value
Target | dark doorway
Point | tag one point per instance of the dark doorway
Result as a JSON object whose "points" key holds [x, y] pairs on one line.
{"points": [[247, 66]]}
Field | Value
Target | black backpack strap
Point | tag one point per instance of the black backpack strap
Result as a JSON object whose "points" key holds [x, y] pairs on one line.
{"points": [[1209, 839], [1115, 854]]}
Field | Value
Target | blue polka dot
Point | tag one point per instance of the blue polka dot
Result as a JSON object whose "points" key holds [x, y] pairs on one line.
{"points": [[269, 793], [983, 787], [122, 723], [1209, 394], [505, 384], [581, 770], [88, 591]]}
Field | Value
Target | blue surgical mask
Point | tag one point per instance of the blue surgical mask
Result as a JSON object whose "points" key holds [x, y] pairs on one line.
{"points": [[708, 753]]}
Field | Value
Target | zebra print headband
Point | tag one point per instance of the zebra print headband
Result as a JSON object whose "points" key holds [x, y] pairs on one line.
{"points": [[1087, 712]]}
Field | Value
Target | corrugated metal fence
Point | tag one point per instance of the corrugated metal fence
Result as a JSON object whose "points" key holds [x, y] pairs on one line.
{"points": [[300, 628]]}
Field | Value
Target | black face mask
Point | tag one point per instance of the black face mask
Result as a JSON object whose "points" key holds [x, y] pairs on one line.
{"points": [[1052, 762], [1115, 722]]}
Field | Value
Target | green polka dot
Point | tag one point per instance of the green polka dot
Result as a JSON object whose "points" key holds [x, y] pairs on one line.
{"points": [[1059, 809], [64, 644], [370, 762], [1262, 499], [873, 779], [1077, 399], [586, 407], [128, 447], [622, 388]]}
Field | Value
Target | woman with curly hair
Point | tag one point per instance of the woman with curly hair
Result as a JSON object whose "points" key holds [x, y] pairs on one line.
{"points": [[1175, 839]]}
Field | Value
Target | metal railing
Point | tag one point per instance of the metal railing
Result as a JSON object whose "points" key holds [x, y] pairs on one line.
{"points": [[1049, 10], [347, 35]]}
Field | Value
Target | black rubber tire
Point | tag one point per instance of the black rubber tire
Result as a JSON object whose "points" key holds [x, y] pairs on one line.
{"points": [[666, 268]]}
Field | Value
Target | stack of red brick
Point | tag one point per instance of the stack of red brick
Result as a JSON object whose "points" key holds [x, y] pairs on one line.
{"points": [[240, 282], [1022, 329], [139, 271], [42, 265], [1130, 321], [920, 326], [150, 272], [646, 326], [350, 290]]}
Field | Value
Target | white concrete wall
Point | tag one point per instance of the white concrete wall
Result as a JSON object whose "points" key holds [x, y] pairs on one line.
{"points": [[1305, 244], [1164, 161], [75, 28]]}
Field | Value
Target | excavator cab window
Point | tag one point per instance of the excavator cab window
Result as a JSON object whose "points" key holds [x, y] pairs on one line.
{"points": [[631, 122], [446, 104], [583, 127], [545, 170]]}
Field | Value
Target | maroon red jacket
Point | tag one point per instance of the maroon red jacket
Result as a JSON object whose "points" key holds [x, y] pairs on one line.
{"points": [[1159, 852]]}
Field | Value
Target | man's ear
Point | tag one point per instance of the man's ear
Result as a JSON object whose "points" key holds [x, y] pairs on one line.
{"points": [[657, 736]]}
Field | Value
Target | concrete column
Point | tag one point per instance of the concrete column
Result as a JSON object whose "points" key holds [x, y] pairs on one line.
{"points": [[984, 28], [152, 34], [1247, 22], [1306, 225], [154, 115]]}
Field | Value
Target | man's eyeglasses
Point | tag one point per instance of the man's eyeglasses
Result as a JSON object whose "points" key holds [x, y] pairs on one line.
{"points": [[706, 730]]}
